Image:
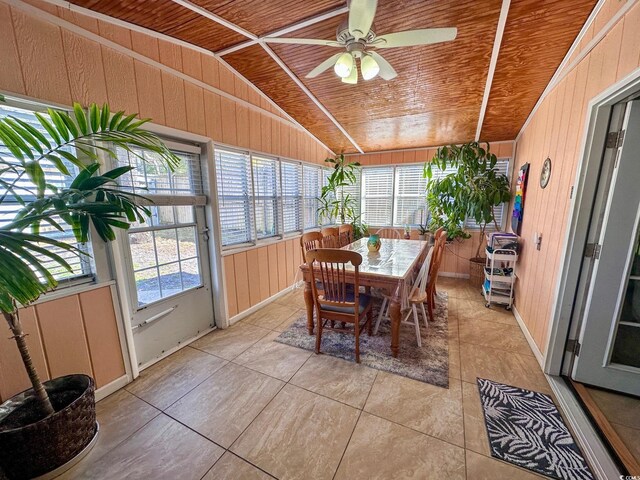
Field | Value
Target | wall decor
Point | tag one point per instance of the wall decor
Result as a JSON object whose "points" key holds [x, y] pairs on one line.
{"points": [[518, 202], [545, 173]]}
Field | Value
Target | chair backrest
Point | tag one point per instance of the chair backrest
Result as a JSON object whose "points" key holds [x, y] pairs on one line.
{"points": [[389, 233], [310, 241], [420, 283], [330, 237], [328, 269], [437, 256], [437, 233], [345, 234]]}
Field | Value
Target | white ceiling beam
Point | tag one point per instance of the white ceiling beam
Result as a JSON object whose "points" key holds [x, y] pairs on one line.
{"points": [[303, 87], [212, 16], [497, 42], [283, 31]]}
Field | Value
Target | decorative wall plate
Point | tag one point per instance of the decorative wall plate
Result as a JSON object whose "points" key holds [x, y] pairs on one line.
{"points": [[545, 174]]}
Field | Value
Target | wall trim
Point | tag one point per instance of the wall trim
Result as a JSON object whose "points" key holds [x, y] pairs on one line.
{"points": [[112, 387], [465, 276], [245, 313], [532, 344]]}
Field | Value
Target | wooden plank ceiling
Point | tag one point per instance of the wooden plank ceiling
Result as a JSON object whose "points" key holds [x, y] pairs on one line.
{"points": [[437, 95]]}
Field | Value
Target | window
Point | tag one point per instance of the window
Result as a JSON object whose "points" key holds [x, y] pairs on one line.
{"points": [[266, 194], [377, 196], [233, 170], [291, 179], [312, 190], [410, 199], [81, 266]]}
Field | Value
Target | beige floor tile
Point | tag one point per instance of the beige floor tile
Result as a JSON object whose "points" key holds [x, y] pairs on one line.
{"points": [[273, 358], [335, 378], [501, 366], [171, 378], [429, 409], [474, 310], [454, 360], [295, 297], [294, 316], [495, 335], [222, 406], [271, 316], [475, 432], [380, 449], [618, 408], [231, 467], [480, 467], [299, 435], [232, 341], [163, 449]]}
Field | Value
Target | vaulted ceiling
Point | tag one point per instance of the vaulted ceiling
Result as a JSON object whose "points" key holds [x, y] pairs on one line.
{"points": [[438, 93]]}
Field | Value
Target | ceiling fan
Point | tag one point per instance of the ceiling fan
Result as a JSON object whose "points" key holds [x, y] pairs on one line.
{"points": [[357, 34]]}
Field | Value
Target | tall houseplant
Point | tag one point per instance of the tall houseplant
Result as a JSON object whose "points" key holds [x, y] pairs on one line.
{"points": [[471, 190], [91, 199], [335, 202]]}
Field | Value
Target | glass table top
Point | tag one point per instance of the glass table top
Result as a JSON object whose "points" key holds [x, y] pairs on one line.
{"points": [[395, 258]]}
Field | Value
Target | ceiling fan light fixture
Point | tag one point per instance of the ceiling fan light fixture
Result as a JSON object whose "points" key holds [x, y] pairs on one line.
{"points": [[345, 65], [352, 78], [369, 67]]}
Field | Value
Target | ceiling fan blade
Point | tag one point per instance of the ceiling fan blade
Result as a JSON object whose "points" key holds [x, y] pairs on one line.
{"points": [[409, 38], [327, 64], [361, 14], [386, 70], [303, 41]]}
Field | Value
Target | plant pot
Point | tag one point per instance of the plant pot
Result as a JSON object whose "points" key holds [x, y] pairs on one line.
{"points": [[31, 448], [422, 237], [476, 271]]}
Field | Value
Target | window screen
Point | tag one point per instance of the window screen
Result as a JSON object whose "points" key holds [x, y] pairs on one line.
{"points": [[291, 179], [410, 196], [312, 177], [235, 192], [81, 265], [377, 196], [266, 194]]}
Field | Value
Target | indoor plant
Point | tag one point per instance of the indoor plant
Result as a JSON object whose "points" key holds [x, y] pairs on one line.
{"points": [[47, 425], [471, 191], [335, 202]]}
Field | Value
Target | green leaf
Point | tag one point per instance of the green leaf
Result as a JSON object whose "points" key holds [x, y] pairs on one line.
{"points": [[94, 117], [49, 127], [36, 175], [80, 118]]}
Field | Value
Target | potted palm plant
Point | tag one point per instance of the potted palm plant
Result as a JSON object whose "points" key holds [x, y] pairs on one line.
{"points": [[471, 190], [44, 427]]}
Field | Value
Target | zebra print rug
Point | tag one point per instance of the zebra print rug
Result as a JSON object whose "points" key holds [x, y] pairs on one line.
{"points": [[525, 428]]}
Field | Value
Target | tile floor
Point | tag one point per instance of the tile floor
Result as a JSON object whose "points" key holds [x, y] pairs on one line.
{"points": [[236, 405]]}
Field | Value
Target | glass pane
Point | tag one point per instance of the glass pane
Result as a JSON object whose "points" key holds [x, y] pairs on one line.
{"points": [[166, 246], [626, 350], [631, 303], [184, 214], [187, 242], [635, 262], [142, 250], [147, 286], [170, 281], [190, 274]]}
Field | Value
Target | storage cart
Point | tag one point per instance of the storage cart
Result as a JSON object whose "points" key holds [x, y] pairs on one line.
{"points": [[500, 269]]}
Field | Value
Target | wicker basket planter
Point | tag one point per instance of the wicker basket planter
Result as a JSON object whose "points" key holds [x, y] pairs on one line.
{"points": [[476, 271], [30, 449]]}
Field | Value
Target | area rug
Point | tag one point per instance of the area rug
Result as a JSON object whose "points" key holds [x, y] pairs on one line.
{"points": [[429, 364], [526, 429]]}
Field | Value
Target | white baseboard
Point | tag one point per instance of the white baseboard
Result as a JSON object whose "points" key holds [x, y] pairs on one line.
{"points": [[264, 303], [112, 387], [534, 347], [594, 450], [454, 275]]}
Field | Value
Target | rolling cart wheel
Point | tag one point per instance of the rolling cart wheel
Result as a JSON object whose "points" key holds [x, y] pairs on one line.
{"points": [[508, 307], [487, 304]]}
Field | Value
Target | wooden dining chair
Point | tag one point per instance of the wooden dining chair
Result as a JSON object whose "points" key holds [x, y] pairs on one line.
{"points": [[310, 241], [433, 273], [416, 298], [345, 234], [389, 233], [335, 303], [330, 237]]}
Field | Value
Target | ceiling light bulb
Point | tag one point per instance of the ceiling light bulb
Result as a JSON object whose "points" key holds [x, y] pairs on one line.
{"points": [[352, 78], [369, 67], [344, 65]]}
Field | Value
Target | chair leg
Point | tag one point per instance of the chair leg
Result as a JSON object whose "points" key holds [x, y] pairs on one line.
{"points": [[380, 315], [424, 315], [357, 329], [319, 325], [416, 323]]}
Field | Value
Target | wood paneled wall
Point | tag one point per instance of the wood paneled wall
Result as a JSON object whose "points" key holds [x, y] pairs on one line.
{"points": [[556, 131], [72, 334]]}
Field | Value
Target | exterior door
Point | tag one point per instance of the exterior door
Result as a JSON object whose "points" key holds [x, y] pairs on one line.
{"points": [[168, 268], [609, 353]]}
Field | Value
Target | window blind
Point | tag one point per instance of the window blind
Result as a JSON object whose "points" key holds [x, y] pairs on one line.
{"points": [[503, 167], [377, 196], [312, 180], [235, 192], [81, 266], [410, 196], [291, 179], [266, 194]]}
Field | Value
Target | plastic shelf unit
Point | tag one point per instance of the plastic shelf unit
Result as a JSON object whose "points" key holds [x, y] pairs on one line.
{"points": [[500, 270]]}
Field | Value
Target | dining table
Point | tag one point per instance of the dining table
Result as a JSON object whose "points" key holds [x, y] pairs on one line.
{"points": [[389, 270]]}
